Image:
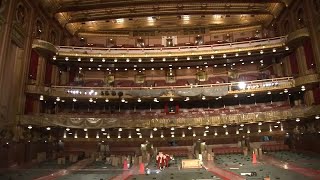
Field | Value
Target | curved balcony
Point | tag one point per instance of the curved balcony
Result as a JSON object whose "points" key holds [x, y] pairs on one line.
{"points": [[253, 45], [210, 90], [130, 121], [44, 47], [307, 79], [297, 36]]}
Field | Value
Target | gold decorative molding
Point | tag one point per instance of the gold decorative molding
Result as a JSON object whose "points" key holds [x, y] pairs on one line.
{"points": [[44, 47], [298, 35], [18, 35], [177, 138], [307, 79], [234, 47], [166, 91], [101, 121]]}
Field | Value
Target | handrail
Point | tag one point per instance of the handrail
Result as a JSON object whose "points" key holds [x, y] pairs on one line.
{"points": [[169, 48], [176, 87]]}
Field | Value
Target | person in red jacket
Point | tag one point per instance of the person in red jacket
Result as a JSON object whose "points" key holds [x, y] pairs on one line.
{"points": [[167, 160], [158, 159]]}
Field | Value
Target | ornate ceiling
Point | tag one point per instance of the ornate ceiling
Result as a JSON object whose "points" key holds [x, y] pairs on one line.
{"points": [[123, 16]]}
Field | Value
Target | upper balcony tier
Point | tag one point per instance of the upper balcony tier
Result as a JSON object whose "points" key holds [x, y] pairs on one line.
{"points": [[209, 90], [258, 46]]}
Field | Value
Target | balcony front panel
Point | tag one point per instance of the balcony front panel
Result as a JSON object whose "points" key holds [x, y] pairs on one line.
{"points": [[210, 90], [98, 121], [254, 45]]}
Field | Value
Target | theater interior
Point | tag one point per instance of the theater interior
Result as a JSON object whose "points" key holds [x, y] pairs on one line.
{"points": [[159, 89]]}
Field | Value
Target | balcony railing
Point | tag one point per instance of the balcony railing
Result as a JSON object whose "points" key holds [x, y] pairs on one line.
{"points": [[181, 50], [214, 90], [102, 121]]}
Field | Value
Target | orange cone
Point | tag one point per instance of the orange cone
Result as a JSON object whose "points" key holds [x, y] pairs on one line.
{"points": [[254, 158], [125, 165], [141, 169]]}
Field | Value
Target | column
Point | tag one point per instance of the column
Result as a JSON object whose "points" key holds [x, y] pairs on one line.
{"points": [[312, 24], [301, 60], [41, 71]]}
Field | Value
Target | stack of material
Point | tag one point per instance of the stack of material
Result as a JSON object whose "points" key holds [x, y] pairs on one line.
{"points": [[204, 155], [139, 159], [260, 153], [41, 157], [210, 157], [73, 158], [129, 159], [135, 160], [108, 160], [245, 151], [190, 163], [62, 160], [148, 157], [115, 161], [54, 155], [197, 153], [93, 156]]}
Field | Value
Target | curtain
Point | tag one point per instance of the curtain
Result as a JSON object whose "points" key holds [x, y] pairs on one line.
{"points": [[72, 75], [308, 51], [48, 74], [166, 108], [28, 109], [316, 95], [33, 66], [294, 64]]}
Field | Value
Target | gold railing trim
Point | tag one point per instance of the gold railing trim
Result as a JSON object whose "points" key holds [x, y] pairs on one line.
{"points": [[100, 121], [44, 45]]}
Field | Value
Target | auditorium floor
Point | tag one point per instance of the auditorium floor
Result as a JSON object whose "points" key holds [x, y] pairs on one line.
{"points": [[278, 165], [240, 164], [172, 173], [306, 160], [94, 171], [36, 171]]}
